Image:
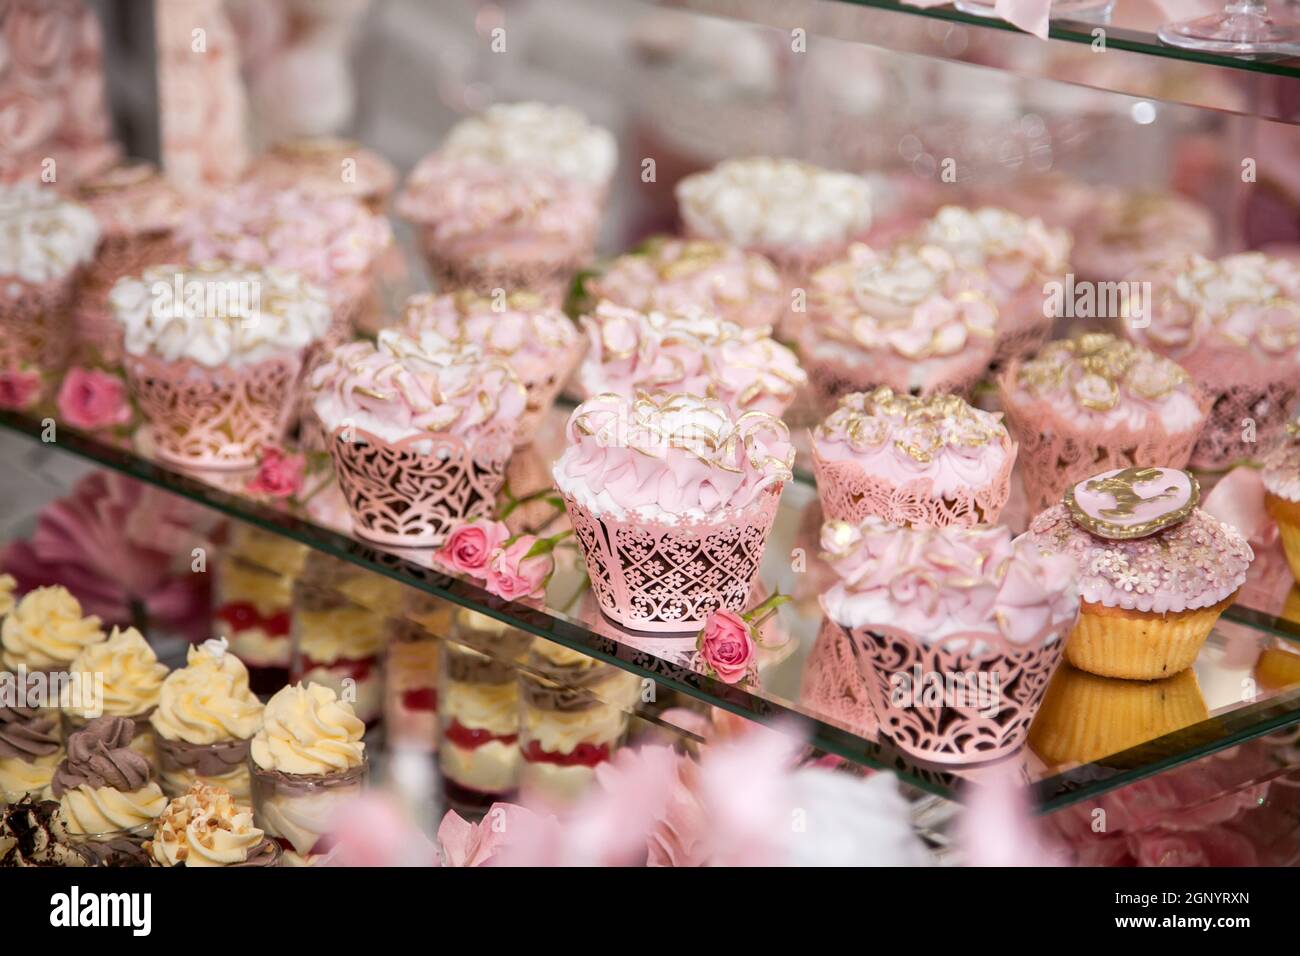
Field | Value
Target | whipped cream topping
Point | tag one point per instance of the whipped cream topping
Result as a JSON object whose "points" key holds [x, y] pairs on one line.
{"points": [[677, 275], [400, 387], [1195, 563], [902, 438], [218, 314], [43, 237], [208, 700], [917, 302], [1106, 383], [327, 241], [688, 352], [46, 630], [131, 672], [204, 827], [556, 138], [769, 202], [1248, 301], [668, 457], [934, 583], [1017, 252], [533, 338], [308, 730]]}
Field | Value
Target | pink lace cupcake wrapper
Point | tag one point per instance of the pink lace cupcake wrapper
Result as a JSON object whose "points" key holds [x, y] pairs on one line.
{"points": [[652, 576], [542, 392], [849, 493], [967, 699], [214, 417], [833, 684], [405, 496], [1264, 408], [549, 279], [33, 325]]}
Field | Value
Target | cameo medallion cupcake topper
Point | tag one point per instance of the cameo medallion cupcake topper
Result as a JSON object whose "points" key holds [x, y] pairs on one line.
{"points": [[1128, 503]]}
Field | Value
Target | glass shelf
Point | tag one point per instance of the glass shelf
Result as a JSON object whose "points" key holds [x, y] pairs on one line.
{"points": [[806, 683]]}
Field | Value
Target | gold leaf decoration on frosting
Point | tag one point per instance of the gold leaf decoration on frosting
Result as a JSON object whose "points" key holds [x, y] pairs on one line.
{"points": [[932, 422], [1096, 366]]}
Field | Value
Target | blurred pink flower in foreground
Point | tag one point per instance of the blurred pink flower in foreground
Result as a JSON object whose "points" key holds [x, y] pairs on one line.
{"points": [[91, 399], [279, 475], [18, 388]]}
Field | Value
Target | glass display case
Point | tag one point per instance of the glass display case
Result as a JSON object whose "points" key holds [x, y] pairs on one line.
{"points": [[1129, 142]]}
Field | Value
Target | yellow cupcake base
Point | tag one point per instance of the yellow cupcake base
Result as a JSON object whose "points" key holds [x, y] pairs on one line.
{"points": [[1139, 645], [1286, 515]]}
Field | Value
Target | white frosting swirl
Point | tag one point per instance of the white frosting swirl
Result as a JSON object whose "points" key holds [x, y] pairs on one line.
{"points": [[42, 235], [555, 138], [308, 730]]}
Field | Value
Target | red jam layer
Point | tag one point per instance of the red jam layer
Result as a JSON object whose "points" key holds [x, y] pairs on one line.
{"points": [[584, 755], [243, 616], [468, 739]]}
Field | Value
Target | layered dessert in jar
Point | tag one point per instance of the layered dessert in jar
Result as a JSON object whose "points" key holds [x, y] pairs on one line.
{"points": [[1097, 400], [213, 355], [536, 339], [254, 603], [1155, 571], [307, 760], [129, 677], [30, 750], [325, 167], [411, 687], [912, 461], [205, 719], [420, 431], [693, 485], [1234, 325], [204, 826], [666, 274], [574, 716], [45, 243], [511, 200], [1018, 256], [46, 631], [912, 317], [1127, 234], [689, 352], [800, 216]]}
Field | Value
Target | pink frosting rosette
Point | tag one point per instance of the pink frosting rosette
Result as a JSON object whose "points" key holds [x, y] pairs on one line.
{"points": [[1126, 234], [671, 498], [911, 318], [1234, 324], [677, 275], [947, 602], [689, 352], [912, 461]]}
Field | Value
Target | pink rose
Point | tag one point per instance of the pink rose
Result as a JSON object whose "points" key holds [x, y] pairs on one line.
{"points": [[91, 399], [727, 646], [513, 576], [278, 475], [19, 388], [469, 547]]}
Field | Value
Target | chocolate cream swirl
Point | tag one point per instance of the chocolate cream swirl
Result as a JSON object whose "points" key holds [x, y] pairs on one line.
{"points": [[100, 756], [27, 733]]}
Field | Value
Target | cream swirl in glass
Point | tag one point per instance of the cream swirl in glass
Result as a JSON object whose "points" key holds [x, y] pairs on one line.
{"points": [[46, 631], [308, 730], [690, 352], [205, 827], [404, 386], [131, 673], [217, 314], [670, 456], [43, 237]]}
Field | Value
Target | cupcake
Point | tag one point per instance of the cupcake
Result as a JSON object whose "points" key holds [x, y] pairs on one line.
{"points": [[333, 244], [689, 352], [254, 603], [138, 210], [800, 216], [307, 761], [30, 750], [104, 787], [205, 827], [420, 431], [213, 356], [574, 715], [205, 718], [46, 631], [1092, 401], [1126, 234], [131, 678], [32, 833], [535, 339], [1234, 325], [45, 241], [911, 318], [512, 199], [1281, 476], [912, 461], [478, 713], [326, 168], [681, 275], [1155, 571], [986, 614], [671, 498], [411, 686], [1018, 255]]}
